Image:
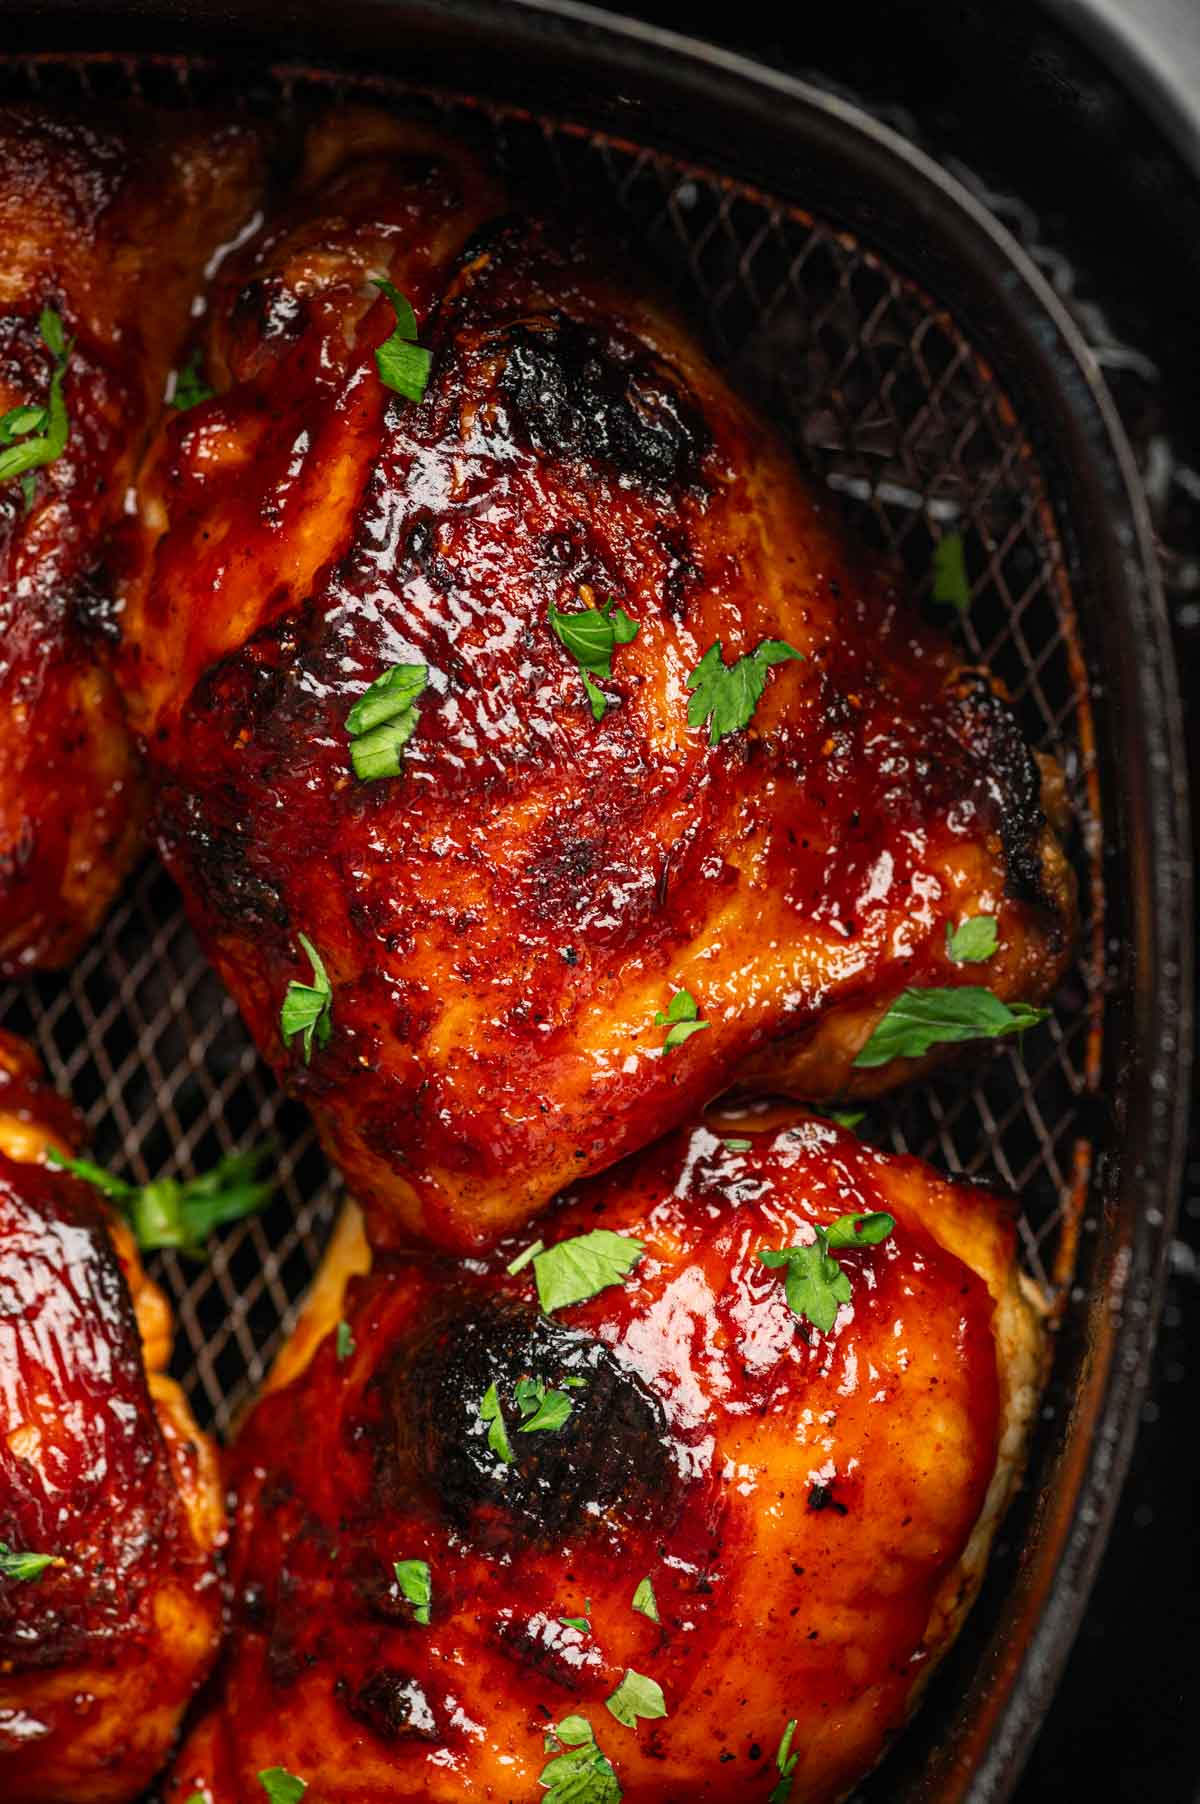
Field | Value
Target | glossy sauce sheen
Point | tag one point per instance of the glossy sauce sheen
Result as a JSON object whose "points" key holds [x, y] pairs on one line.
{"points": [[503, 919], [797, 1499], [101, 1467], [110, 225]]}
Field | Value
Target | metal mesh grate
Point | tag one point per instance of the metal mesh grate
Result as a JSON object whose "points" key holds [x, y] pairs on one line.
{"points": [[888, 403]]}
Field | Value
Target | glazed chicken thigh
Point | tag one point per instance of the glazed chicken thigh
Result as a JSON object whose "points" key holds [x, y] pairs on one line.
{"points": [[103, 1473], [671, 1540], [105, 231], [536, 757]]}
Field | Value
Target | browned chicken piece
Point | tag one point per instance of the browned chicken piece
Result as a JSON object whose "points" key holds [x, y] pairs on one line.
{"points": [[454, 913], [639, 1543], [103, 1471], [105, 231]]}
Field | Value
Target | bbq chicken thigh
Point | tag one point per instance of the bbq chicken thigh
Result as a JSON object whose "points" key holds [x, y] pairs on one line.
{"points": [[110, 1500], [105, 231], [664, 1531], [536, 757]]}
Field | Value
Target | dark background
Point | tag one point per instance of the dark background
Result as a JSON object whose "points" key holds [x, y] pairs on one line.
{"points": [[1079, 155]]}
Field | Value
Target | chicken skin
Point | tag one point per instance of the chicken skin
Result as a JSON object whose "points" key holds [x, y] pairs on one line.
{"points": [[455, 913], [653, 1528], [105, 231], [101, 1468]]}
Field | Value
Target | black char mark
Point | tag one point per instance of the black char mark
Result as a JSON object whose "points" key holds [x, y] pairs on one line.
{"points": [[610, 1461], [988, 727]]}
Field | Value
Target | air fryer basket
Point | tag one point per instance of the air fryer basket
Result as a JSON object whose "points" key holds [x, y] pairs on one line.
{"points": [[930, 378]]}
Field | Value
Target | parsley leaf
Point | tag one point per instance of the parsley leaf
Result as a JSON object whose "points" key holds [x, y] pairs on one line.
{"points": [[590, 638], [543, 1409], [636, 1696], [972, 941], [950, 581], [919, 1019], [682, 1018], [644, 1600], [384, 719], [579, 1268], [180, 1212], [582, 1623], [787, 1763], [281, 1786], [308, 1007], [403, 364], [490, 1411], [414, 1580], [522, 1259], [23, 1568], [846, 1118], [726, 695], [41, 431], [814, 1282], [190, 386], [345, 1344], [581, 1774]]}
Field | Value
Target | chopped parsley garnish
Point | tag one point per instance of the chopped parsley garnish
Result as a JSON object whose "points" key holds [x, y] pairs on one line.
{"points": [[845, 1118], [681, 1018], [737, 1146], [33, 435], [644, 1600], [787, 1763], [23, 1568], [580, 1773], [582, 1623], [190, 386], [919, 1019], [950, 581], [636, 1696], [281, 1786], [581, 1267], [384, 719], [402, 363], [180, 1212], [972, 941], [308, 1007], [726, 695], [522, 1259], [415, 1583], [490, 1412], [543, 1410], [345, 1342], [590, 637], [815, 1282]]}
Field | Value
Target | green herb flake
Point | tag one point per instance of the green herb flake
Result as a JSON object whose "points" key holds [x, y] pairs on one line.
{"points": [[577, 1622], [308, 1007], [786, 1762], [636, 1696], [415, 1583], [344, 1345], [580, 1773], [403, 364], [951, 584], [281, 1786], [579, 1268], [490, 1412], [522, 1259], [383, 720], [180, 1212], [24, 1568], [544, 1410], [726, 695], [681, 1018], [197, 1797], [590, 637], [920, 1019], [814, 1281], [190, 386], [33, 436], [973, 940], [737, 1146], [645, 1602]]}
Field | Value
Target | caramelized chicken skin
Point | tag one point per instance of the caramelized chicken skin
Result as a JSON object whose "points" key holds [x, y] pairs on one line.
{"points": [[108, 228], [502, 920], [812, 1509], [102, 1467]]}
